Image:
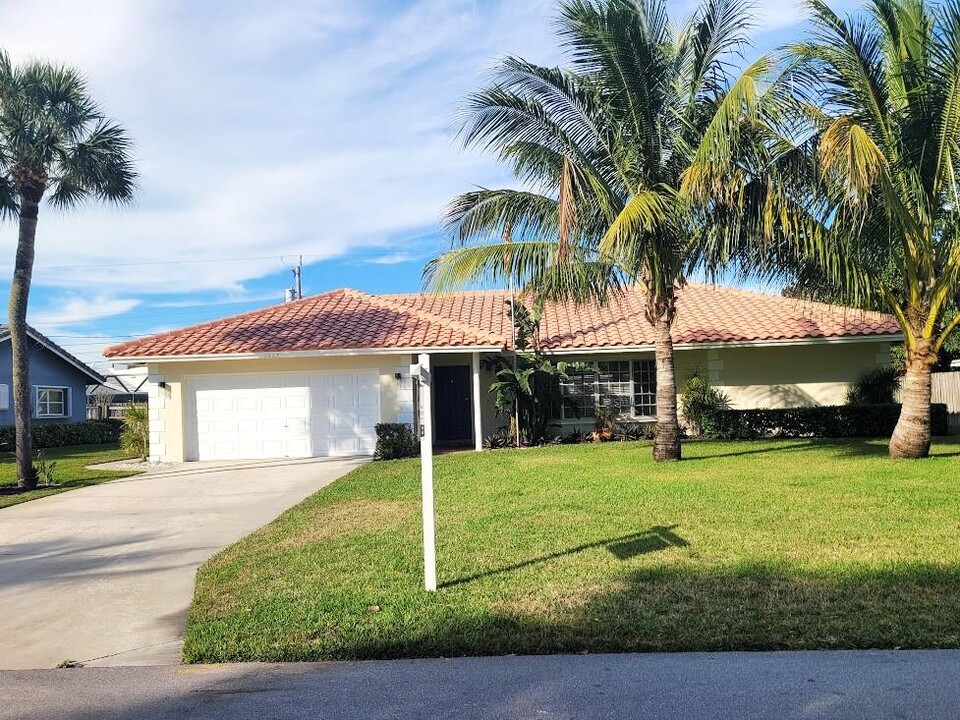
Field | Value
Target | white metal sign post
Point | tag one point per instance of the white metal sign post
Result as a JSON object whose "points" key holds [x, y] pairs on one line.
{"points": [[422, 373]]}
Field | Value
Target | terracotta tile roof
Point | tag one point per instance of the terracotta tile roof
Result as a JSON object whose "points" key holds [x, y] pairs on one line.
{"points": [[352, 320]]}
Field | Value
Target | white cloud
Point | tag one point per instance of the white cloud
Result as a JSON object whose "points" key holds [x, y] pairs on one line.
{"points": [[395, 258], [102, 37], [272, 297], [261, 131], [73, 310], [774, 14], [66, 321]]}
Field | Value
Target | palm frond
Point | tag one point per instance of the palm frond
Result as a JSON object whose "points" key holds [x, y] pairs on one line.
{"points": [[484, 213], [9, 203], [847, 151], [51, 128], [490, 264], [711, 42], [629, 51], [646, 212], [99, 165]]}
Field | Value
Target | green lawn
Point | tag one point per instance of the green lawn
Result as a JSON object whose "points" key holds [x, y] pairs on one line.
{"points": [[70, 472], [789, 544]]}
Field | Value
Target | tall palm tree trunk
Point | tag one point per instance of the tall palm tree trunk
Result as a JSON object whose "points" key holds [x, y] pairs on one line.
{"points": [[19, 341], [911, 436], [666, 443]]}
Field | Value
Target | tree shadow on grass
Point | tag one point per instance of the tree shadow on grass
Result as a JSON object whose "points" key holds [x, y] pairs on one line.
{"points": [[767, 449], [653, 539], [751, 606], [842, 447]]}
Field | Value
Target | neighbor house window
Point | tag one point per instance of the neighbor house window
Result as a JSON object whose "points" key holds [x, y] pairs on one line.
{"points": [[630, 385], [51, 402]]}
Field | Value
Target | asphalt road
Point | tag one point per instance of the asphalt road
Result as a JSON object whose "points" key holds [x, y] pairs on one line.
{"points": [[862, 685]]}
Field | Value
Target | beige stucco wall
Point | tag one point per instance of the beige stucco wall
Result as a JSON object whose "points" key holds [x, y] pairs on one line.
{"points": [[792, 376], [753, 377]]}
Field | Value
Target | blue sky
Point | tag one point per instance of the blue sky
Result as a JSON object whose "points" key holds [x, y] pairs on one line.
{"points": [[264, 131]]}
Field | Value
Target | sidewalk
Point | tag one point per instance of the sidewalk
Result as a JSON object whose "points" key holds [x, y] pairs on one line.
{"points": [[862, 685]]}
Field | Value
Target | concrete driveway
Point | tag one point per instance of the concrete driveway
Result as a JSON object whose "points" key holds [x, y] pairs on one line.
{"points": [[104, 574]]}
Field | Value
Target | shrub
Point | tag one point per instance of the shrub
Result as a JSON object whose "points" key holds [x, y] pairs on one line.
{"points": [[698, 398], [875, 387], [605, 420], [88, 432], [635, 430], [574, 437], [135, 438], [45, 470], [498, 440], [832, 421], [395, 441]]}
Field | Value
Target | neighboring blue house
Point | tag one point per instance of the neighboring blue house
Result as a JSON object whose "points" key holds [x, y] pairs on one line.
{"points": [[58, 379]]}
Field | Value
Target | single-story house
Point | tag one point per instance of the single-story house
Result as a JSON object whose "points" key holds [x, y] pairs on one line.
{"points": [[58, 379], [312, 377]]}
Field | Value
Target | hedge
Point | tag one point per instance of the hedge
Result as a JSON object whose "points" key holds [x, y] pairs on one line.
{"points": [[88, 432], [395, 441], [831, 421]]}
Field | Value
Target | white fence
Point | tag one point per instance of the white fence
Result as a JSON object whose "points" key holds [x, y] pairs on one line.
{"points": [[946, 390]]}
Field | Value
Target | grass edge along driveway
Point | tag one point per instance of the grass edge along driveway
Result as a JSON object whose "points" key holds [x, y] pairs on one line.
{"points": [[760, 545], [71, 471]]}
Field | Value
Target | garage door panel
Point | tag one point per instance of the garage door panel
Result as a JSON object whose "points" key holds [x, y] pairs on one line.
{"points": [[284, 415]]}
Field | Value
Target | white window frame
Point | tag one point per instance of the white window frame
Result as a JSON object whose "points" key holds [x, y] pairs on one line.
{"points": [[632, 415], [65, 402]]}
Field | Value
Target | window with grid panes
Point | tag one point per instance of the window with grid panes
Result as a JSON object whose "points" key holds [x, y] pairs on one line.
{"points": [[613, 384], [645, 388], [578, 393], [51, 402]]}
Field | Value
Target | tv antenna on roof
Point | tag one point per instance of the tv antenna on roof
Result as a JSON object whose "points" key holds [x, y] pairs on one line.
{"points": [[296, 292]]}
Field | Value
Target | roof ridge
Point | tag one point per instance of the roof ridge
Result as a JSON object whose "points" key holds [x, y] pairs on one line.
{"points": [[487, 291], [874, 314], [429, 316]]}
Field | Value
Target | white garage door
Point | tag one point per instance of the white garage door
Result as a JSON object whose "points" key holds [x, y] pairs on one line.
{"points": [[239, 417]]}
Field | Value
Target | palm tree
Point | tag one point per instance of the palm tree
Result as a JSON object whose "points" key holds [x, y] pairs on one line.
{"points": [[602, 147], [56, 143], [855, 179]]}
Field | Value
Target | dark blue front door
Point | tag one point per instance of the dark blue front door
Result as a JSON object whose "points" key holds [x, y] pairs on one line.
{"points": [[451, 402]]}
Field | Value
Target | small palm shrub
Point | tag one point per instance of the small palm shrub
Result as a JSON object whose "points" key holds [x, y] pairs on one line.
{"points": [[605, 420], [698, 400], [875, 387], [499, 440], [628, 430], [135, 438], [45, 469]]}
